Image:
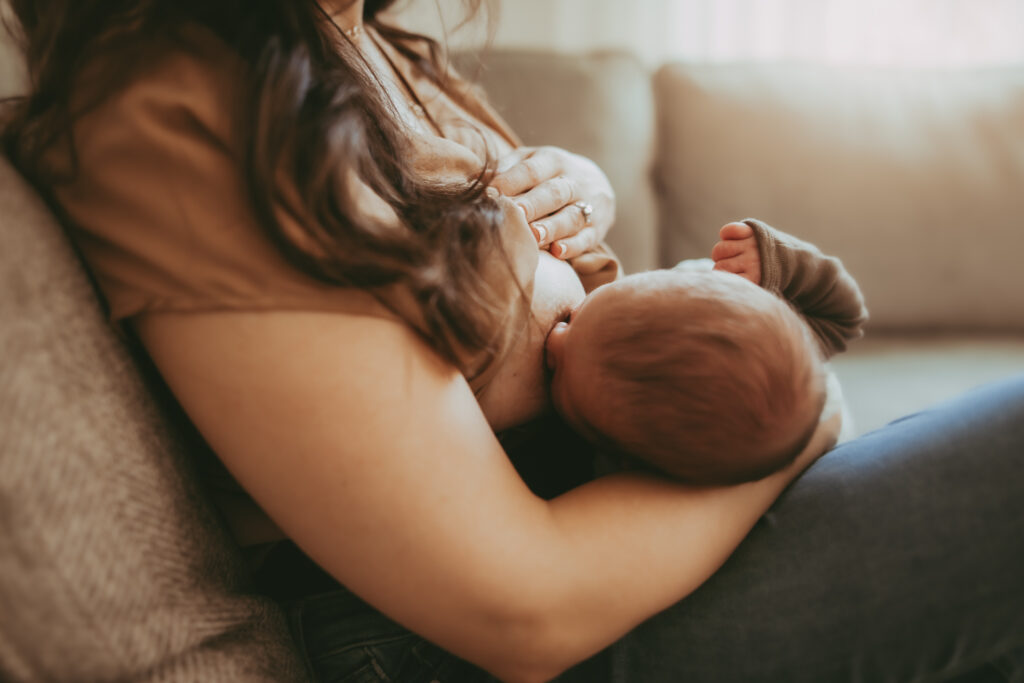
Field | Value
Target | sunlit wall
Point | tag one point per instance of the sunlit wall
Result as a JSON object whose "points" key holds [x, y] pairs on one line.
{"points": [[875, 32], [897, 32]]}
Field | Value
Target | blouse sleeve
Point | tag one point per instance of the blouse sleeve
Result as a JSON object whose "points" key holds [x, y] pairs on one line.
{"points": [[159, 207]]}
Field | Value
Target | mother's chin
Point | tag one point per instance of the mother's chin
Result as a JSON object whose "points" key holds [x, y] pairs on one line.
{"points": [[518, 392]]}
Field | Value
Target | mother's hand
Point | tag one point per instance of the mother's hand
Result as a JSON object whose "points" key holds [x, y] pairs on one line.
{"points": [[547, 183]]}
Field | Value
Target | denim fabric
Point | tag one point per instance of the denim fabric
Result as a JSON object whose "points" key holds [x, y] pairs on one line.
{"points": [[897, 557], [346, 641]]}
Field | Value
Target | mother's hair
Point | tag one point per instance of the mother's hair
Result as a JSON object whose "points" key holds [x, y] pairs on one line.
{"points": [[311, 108]]}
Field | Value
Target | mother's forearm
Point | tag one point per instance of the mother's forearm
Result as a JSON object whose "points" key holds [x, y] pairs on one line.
{"points": [[657, 543]]}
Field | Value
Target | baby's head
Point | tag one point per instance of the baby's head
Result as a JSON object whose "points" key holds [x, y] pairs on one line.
{"points": [[702, 374]]}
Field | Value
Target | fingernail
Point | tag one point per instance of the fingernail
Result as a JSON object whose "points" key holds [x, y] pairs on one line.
{"points": [[492, 192], [558, 250], [522, 208], [540, 232]]}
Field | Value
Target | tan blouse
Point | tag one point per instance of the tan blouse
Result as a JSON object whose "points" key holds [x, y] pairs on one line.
{"points": [[159, 206]]}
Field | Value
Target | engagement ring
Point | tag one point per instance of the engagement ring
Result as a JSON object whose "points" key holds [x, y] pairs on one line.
{"points": [[586, 209]]}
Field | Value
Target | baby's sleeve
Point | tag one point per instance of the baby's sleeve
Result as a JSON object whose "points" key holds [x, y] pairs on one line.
{"points": [[818, 286], [597, 267]]}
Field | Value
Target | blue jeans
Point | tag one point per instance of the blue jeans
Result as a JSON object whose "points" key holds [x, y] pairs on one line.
{"points": [[897, 557]]}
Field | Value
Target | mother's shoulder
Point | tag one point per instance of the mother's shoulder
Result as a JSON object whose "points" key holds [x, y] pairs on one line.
{"points": [[185, 77]]}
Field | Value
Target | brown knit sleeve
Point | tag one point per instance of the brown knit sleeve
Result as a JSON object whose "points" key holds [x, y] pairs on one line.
{"points": [[597, 267], [817, 285]]}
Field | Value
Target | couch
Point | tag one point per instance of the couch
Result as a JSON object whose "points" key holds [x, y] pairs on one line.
{"points": [[913, 177], [113, 563]]}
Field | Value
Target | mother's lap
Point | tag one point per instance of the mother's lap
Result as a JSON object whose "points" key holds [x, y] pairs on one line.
{"points": [[897, 556]]}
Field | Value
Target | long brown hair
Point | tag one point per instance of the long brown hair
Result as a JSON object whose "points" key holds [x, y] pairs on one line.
{"points": [[313, 108]]}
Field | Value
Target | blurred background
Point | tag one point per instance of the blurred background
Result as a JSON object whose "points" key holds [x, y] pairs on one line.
{"points": [[862, 32], [11, 78]]}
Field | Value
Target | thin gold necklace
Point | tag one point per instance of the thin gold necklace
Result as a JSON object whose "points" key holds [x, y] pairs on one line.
{"points": [[412, 98]]}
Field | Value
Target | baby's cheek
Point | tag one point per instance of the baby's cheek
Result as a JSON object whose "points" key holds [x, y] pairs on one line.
{"points": [[560, 393], [554, 345]]}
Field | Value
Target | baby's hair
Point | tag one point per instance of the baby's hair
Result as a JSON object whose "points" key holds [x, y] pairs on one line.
{"points": [[706, 377]]}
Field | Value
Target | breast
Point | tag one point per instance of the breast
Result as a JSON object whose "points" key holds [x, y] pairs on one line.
{"points": [[518, 392]]}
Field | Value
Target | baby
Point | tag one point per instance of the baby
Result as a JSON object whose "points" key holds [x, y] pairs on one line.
{"points": [[712, 375]]}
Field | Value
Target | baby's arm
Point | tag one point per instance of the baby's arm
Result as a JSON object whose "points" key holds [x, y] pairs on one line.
{"points": [[817, 285]]}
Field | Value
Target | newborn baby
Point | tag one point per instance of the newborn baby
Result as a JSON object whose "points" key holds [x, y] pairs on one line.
{"points": [[714, 376]]}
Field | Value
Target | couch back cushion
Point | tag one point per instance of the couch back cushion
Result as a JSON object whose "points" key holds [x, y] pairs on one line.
{"points": [[113, 565], [599, 105], [12, 66], [913, 177]]}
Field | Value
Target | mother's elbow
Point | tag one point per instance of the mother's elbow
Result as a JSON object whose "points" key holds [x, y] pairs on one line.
{"points": [[537, 643], [533, 657]]}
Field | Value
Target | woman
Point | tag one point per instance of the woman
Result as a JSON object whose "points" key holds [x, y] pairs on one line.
{"points": [[288, 203]]}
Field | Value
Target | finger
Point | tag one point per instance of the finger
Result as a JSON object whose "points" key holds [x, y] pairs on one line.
{"points": [[727, 249], [571, 247], [516, 157], [735, 231], [729, 265], [513, 216], [737, 266], [744, 275], [564, 223], [747, 260], [547, 198], [529, 173]]}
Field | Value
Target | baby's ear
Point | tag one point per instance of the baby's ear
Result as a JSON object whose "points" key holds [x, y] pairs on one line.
{"points": [[554, 346]]}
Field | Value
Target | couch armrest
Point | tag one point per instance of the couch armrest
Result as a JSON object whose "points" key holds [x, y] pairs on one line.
{"points": [[113, 563]]}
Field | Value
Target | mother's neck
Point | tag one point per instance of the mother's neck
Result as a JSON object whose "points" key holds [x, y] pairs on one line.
{"points": [[347, 14]]}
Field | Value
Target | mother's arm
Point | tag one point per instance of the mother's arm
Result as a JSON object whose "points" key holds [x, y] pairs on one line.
{"points": [[372, 454]]}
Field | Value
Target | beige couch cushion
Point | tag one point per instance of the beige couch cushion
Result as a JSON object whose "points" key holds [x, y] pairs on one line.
{"points": [[113, 566], [915, 178], [12, 67], [598, 105]]}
